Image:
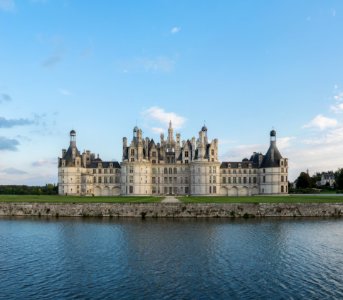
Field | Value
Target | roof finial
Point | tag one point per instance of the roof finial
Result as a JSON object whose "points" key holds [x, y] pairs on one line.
{"points": [[170, 124]]}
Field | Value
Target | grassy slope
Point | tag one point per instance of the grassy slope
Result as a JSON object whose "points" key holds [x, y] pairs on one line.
{"points": [[71, 199], [264, 199]]}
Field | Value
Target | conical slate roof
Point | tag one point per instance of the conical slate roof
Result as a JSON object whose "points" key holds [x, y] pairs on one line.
{"points": [[69, 156], [272, 157]]}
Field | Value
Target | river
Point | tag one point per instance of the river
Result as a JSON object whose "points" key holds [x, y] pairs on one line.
{"points": [[86, 258]]}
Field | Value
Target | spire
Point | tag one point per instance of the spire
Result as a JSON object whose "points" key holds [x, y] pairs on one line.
{"points": [[170, 132]]}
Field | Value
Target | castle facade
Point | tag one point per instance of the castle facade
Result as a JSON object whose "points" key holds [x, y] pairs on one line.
{"points": [[171, 167]]}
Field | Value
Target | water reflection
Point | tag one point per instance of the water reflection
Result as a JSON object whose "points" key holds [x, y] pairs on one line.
{"points": [[165, 258]]}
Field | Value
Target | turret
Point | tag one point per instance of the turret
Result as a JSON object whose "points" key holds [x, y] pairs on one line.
{"points": [[73, 138], [273, 156], [204, 131]]}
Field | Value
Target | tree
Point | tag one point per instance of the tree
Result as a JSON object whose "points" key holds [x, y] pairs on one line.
{"points": [[314, 179], [339, 178], [303, 181]]}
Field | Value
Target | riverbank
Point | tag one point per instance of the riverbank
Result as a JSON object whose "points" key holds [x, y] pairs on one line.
{"points": [[173, 210]]}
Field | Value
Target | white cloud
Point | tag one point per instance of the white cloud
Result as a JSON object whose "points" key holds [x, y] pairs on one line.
{"points": [[159, 115], [237, 153], [44, 162], [338, 97], [7, 5], [157, 130], [64, 92], [321, 122], [175, 30], [13, 171], [285, 142], [338, 108]]}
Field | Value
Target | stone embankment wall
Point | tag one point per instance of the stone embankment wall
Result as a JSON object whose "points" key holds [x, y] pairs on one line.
{"points": [[173, 210]]}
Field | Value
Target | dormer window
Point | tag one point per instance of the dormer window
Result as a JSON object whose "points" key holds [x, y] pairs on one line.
{"points": [[99, 165]]}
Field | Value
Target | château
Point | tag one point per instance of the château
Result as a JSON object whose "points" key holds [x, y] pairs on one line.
{"points": [[171, 167]]}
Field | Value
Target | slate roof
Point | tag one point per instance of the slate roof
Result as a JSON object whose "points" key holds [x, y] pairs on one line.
{"points": [[69, 156], [272, 157], [104, 164]]}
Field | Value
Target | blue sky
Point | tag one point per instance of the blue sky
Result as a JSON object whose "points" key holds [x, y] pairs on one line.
{"points": [[101, 67]]}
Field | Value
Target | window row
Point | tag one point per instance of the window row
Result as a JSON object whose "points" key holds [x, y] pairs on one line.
{"points": [[106, 179], [240, 171], [106, 171], [244, 180]]}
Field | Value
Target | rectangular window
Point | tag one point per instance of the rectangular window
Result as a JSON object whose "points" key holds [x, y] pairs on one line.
{"points": [[214, 190], [264, 179], [131, 189], [224, 179], [255, 180], [239, 180], [131, 179], [234, 179], [244, 180], [153, 179], [186, 153]]}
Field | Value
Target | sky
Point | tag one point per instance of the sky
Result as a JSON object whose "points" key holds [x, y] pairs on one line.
{"points": [[103, 67]]}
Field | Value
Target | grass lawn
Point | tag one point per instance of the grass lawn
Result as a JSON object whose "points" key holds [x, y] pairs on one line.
{"points": [[264, 199], [75, 199]]}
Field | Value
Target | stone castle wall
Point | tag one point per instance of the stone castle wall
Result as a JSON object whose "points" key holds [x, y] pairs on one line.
{"points": [[173, 210]]}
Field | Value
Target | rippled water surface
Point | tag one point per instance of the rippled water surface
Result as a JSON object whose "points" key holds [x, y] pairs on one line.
{"points": [[171, 259]]}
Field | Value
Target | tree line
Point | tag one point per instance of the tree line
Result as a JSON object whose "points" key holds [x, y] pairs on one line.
{"points": [[305, 181], [48, 189]]}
